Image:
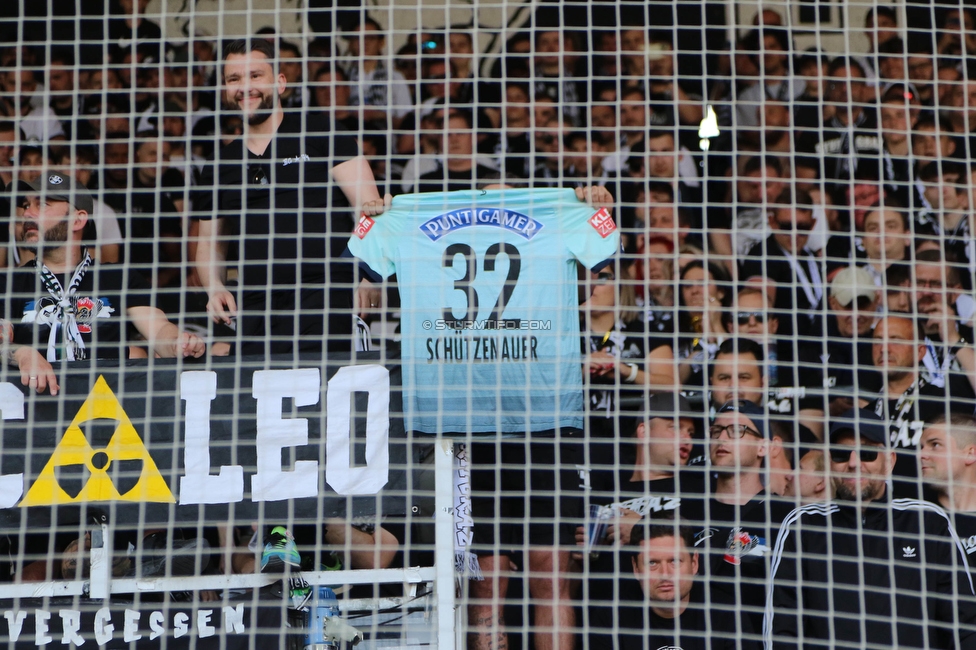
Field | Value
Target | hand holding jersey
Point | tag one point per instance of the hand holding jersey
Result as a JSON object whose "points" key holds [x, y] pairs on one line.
{"points": [[488, 287]]}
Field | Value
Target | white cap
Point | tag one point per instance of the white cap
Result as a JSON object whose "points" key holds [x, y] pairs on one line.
{"points": [[852, 282]]}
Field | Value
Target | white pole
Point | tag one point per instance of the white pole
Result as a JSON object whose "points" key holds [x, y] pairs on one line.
{"points": [[444, 544]]}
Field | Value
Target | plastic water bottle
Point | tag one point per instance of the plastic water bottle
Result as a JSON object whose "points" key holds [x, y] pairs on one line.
{"points": [[324, 606]]}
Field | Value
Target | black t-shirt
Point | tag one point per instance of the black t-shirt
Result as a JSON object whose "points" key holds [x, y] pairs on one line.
{"points": [[794, 385], [714, 625], [842, 149], [121, 36], [901, 185], [848, 363], [646, 498], [100, 302], [735, 543], [283, 204], [512, 154]]}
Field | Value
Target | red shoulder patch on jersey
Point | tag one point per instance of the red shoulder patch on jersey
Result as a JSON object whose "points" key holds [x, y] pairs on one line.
{"points": [[603, 223], [364, 225]]}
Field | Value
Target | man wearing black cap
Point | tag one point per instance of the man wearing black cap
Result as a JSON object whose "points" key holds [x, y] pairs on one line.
{"points": [[867, 568], [736, 522], [66, 305], [638, 481]]}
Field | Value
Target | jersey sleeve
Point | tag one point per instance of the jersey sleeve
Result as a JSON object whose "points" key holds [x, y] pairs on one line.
{"points": [[592, 235], [370, 242]]}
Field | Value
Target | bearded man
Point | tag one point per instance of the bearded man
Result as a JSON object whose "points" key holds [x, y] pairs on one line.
{"points": [[273, 191], [64, 307], [867, 568]]}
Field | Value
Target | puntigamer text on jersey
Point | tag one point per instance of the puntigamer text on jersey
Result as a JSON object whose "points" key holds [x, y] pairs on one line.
{"points": [[516, 222]]}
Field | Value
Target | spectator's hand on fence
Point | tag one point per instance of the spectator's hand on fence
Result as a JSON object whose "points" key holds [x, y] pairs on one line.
{"points": [[376, 207], [6, 331], [222, 307], [595, 195], [35, 371]]}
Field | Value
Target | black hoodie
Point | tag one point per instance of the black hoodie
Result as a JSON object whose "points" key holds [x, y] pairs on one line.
{"points": [[893, 576]]}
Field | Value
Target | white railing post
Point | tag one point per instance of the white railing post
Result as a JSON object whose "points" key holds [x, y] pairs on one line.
{"points": [[444, 584]]}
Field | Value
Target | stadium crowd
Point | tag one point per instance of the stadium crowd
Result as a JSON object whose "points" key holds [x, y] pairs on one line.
{"points": [[790, 321]]}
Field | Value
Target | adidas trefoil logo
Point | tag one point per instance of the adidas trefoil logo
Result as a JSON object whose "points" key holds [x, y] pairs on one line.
{"points": [[908, 551]]}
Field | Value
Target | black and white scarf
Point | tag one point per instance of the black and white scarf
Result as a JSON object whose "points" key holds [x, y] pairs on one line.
{"points": [[63, 313]]}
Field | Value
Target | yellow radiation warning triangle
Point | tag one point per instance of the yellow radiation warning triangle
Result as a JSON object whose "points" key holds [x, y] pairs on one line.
{"points": [[75, 450]]}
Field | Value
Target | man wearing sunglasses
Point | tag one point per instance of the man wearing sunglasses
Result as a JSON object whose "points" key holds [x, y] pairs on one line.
{"points": [[735, 521], [866, 568], [785, 257]]}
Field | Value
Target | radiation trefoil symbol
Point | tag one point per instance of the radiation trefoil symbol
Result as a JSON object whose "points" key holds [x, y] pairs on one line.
{"points": [[110, 463]]}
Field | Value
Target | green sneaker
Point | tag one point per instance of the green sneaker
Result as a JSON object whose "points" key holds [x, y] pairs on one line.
{"points": [[332, 562], [280, 553]]}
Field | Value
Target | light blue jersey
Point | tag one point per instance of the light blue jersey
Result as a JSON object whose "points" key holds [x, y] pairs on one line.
{"points": [[489, 304]]}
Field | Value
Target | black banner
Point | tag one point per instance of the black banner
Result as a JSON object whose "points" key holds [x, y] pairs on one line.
{"points": [[154, 442], [225, 625]]}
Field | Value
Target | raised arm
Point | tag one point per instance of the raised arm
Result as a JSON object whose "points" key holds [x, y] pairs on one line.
{"points": [[356, 181]]}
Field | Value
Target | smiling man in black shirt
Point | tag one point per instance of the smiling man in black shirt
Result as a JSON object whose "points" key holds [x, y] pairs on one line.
{"points": [[274, 192]]}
